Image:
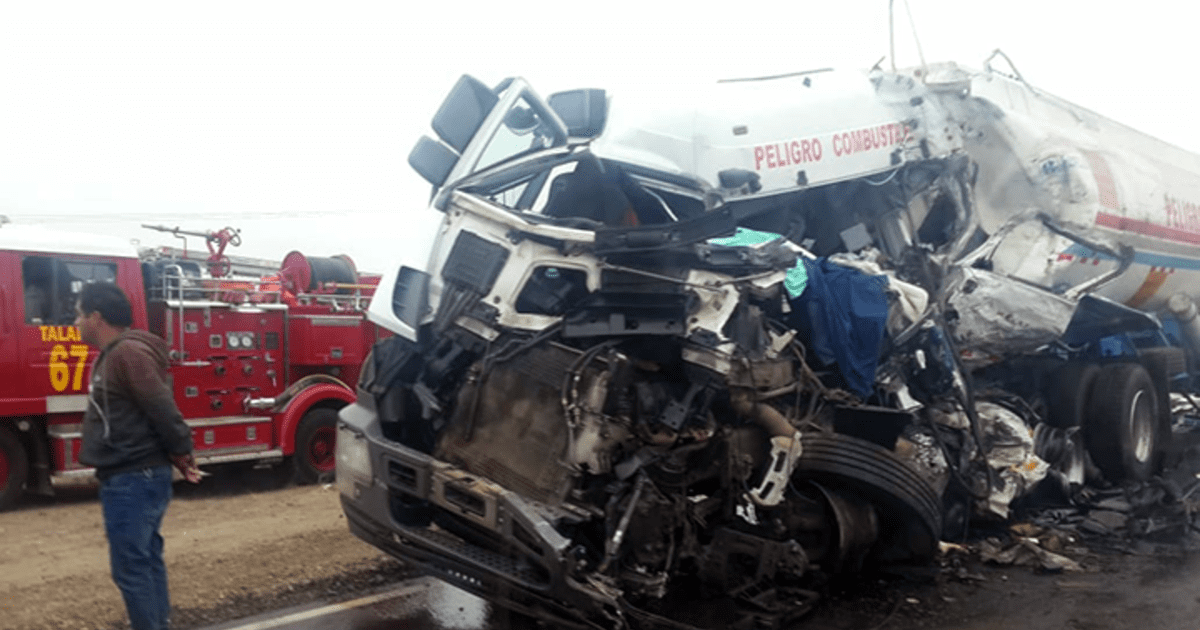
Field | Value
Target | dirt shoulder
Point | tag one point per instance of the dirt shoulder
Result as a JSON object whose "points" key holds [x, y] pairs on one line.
{"points": [[231, 552]]}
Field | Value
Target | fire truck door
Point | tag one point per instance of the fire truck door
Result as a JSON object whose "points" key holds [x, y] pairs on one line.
{"points": [[53, 357]]}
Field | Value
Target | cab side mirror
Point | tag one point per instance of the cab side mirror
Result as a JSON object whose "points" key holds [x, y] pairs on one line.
{"points": [[463, 112], [584, 112], [456, 122], [432, 160]]}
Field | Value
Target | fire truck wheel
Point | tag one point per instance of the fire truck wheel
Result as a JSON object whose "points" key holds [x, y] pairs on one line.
{"points": [[14, 467], [316, 436], [1122, 429]]}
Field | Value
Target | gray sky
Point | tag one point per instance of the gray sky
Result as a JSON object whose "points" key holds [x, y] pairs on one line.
{"points": [[293, 121]]}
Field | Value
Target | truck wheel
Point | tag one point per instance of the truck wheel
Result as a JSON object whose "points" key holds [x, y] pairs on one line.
{"points": [[1068, 392], [909, 509], [1162, 364], [1122, 431], [315, 455], [14, 467]]}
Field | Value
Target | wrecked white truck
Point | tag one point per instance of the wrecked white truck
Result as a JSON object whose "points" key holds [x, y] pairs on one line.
{"points": [[677, 356]]}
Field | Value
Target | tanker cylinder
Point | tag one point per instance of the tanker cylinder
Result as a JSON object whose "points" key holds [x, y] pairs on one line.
{"points": [[1184, 310]]}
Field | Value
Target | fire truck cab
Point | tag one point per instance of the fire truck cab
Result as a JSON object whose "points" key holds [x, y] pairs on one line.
{"points": [[259, 367]]}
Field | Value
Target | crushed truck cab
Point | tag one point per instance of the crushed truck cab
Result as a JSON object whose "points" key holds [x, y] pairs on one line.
{"points": [[677, 354]]}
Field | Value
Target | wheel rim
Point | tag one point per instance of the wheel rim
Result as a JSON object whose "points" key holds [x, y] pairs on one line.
{"points": [[1141, 427], [321, 449]]}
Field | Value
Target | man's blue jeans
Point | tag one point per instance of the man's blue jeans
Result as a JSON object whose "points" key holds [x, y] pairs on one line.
{"points": [[134, 504]]}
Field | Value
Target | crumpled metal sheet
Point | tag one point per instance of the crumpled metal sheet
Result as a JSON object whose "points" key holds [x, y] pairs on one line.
{"points": [[921, 450], [1027, 552], [1009, 448], [1000, 317]]}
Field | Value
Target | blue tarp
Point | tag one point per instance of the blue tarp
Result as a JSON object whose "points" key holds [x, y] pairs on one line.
{"points": [[848, 311]]}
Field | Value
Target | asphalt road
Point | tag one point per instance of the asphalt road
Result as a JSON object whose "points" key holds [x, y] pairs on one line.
{"points": [[1119, 592], [421, 603]]}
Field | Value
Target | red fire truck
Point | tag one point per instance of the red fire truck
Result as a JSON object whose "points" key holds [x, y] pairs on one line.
{"points": [[260, 363]]}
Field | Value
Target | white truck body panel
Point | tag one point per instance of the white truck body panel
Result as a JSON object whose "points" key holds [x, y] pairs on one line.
{"points": [[831, 125]]}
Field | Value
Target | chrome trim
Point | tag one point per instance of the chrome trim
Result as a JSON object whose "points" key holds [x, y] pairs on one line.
{"points": [[225, 420], [66, 403], [225, 458], [260, 403], [73, 477], [65, 431], [347, 321]]}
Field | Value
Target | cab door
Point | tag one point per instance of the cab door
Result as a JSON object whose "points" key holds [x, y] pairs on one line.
{"points": [[53, 354]]}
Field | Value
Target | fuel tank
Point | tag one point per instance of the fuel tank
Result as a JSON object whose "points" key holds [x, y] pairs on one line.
{"points": [[1131, 201]]}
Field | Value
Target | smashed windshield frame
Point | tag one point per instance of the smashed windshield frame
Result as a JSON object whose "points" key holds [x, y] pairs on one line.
{"points": [[570, 186], [631, 207], [525, 130]]}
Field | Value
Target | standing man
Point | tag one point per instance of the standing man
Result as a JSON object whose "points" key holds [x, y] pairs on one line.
{"points": [[132, 433]]}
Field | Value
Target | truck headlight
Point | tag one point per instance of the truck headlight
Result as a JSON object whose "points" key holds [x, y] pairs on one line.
{"points": [[353, 461]]}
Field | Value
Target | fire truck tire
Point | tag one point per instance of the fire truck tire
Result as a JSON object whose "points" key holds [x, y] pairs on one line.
{"points": [[14, 468], [314, 457], [1123, 431], [1067, 393]]}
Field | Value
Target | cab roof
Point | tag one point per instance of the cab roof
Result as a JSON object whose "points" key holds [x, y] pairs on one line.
{"points": [[799, 129], [32, 238]]}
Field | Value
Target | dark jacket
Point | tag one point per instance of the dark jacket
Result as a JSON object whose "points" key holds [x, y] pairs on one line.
{"points": [[132, 421]]}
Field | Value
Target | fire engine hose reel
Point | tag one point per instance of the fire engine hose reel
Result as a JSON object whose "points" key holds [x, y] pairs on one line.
{"points": [[310, 274]]}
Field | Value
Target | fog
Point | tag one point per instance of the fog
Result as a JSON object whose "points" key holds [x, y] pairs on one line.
{"points": [[293, 121]]}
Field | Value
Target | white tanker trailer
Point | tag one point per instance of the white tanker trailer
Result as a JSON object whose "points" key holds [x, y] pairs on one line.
{"points": [[676, 355]]}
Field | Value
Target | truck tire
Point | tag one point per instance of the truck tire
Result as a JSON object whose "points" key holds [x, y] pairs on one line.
{"points": [[909, 509], [14, 468], [315, 457], [1122, 431], [1067, 393], [1163, 364], [1172, 360]]}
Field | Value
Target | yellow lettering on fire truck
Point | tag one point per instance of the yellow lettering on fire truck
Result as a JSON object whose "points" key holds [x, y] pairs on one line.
{"points": [[60, 370], [59, 333]]}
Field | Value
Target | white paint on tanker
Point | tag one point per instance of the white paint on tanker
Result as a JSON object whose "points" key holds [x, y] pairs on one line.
{"points": [[831, 125], [1094, 176]]}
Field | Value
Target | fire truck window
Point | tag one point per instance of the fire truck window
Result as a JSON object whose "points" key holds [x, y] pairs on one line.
{"points": [[52, 286], [36, 275]]}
